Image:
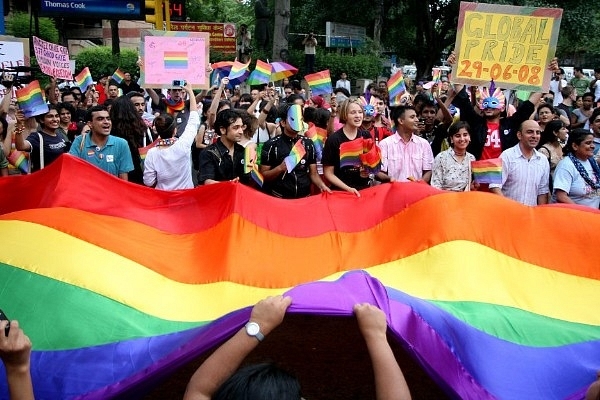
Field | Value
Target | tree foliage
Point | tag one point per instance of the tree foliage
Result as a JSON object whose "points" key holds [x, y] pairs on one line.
{"points": [[101, 61], [19, 23]]}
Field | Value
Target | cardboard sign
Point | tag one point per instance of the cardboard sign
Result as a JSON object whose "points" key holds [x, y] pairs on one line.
{"points": [[222, 35], [510, 45], [168, 56], [53, 59]]}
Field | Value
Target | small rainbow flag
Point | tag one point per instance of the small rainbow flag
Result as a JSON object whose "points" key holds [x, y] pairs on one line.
{"points": [[31, 101], [19, 160], [239, 71], [296, 154], [437, 75], [144, 150], [350, 153], [371, 159], [118, 76], [84, 79], [396, 86], [318, 136], [257, 176], [250, 157], [487, 171], [176, 59], [261, 74], [319, 82]]}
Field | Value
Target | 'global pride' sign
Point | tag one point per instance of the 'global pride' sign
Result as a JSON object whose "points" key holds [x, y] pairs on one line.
{"points": [[508, 44]]}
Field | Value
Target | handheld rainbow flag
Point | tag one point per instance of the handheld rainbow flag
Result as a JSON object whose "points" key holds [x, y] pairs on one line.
{"points": [[462, 334], [396, 87], [319, 82], [118, 76], [296, 154], [371, 159], [437, 75], [239, 72], [144, 150], [261, 74], [350, 153], [487, 171], [84, 79], [250, 157], [31, 101], [257, 176], [318, 136], [19, 160]]}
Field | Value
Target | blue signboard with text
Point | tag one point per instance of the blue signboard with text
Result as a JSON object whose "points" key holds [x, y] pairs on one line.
{"points": [[104, 9]]}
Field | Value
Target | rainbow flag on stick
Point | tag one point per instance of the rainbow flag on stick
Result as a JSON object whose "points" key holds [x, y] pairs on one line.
{"points": [[118, 76], [371, 159], [437, 75], [175, 59], [319, 82], [239, 71], [298, 151], [487, 171], [396, 87], [31, 101], [257, 176], [84, 79], [350, 153], [261, 74], [318, 136], [19, 160]]}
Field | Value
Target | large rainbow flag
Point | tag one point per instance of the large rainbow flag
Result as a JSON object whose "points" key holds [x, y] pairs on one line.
{"points": [[487, 312]]}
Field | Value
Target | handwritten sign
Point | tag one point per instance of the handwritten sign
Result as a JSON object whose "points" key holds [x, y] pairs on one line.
{"points": [[169, 55], [222, 35], [510, 45], [53, 59], [14, 52]]}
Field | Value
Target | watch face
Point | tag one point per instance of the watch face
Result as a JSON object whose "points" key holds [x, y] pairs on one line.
{"points": [[252, 328]]}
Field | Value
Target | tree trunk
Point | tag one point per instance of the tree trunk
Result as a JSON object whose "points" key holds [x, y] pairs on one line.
{"points": [[281, 29], [114, 34], [378, 25]]}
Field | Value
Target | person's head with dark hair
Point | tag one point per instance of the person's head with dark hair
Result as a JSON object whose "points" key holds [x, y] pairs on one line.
{"points": [[126, 122], [89, 114], [165, 126], [69, 97], [341, 90], [295, 99], [138, 101], [322, 117], [245, 101], [224, 105], [108, 103], [418, 102], [553, 132], [113, 89], [595, 122], [250, 122], [296, 86], [587, 101], [310, 114], [545, 113], [50, 120], [404, 118], [577, 71], [580, 144], [428, 112], [287, 90], [66, 112], [459, 135], [260, 382], [225, 119]]}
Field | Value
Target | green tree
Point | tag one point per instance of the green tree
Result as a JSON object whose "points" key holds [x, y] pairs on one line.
{"points": [[101, 61], [18, 25]]}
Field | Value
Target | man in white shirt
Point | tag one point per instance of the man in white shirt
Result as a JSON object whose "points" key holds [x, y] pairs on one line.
{"points": [[525, 171], [310, 50], [556, 84], [343, 82]]}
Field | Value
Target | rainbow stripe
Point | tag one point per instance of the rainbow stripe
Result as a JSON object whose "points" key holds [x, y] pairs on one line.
{"points": [[487, 315], [118, 76], [371, 159], [19, 160], [175, 60], [31, 101], [298, 151], [144, 150], [84, 79], [437, 74], [350, 153], [318, 136], [396, 87], [257, 176], [239, 71], [261, 73], [487, 171], [319, 82]]}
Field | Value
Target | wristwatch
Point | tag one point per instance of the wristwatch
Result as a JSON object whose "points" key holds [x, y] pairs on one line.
{"points": [[252, 329]]}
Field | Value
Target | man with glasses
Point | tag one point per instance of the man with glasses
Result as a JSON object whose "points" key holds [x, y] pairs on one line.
{"points": [[525, 171]]}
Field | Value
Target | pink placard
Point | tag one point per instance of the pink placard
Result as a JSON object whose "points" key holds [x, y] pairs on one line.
{"points": [[168, 56]]}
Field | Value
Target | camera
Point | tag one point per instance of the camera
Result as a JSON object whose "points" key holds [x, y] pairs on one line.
{"points": [[178, 83], [422, 120]]}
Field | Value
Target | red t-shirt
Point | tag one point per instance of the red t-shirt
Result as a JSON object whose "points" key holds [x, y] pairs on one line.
{"points": [[492, 147]]}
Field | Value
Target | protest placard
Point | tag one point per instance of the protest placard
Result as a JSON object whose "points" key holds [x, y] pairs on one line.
{"points": [[168, 56], [53, 59], [508, 44], [14, 52]]}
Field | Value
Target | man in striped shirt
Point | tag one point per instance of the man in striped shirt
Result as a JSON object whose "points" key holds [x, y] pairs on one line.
{"points": [[525, 171]]}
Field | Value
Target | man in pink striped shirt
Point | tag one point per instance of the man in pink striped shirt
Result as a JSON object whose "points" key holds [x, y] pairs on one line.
{"points": [[404, 155]]}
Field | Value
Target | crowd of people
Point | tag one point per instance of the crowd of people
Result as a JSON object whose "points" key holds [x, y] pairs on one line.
{"points": [[180, 137]]}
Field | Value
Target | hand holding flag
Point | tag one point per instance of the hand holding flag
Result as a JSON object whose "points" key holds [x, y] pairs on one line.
{"points": [[298, 151]]}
